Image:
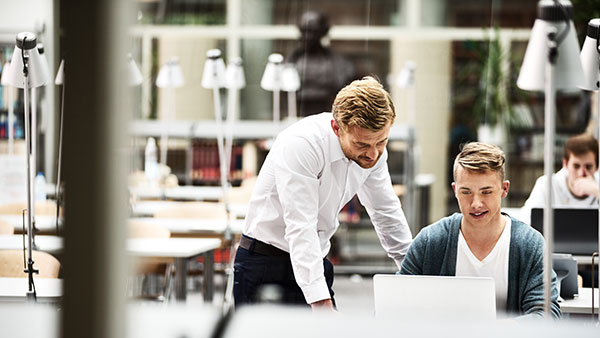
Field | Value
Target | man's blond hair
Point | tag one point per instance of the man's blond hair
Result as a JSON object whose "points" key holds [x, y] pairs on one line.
{"points": [[363, 103], [481, 157]]}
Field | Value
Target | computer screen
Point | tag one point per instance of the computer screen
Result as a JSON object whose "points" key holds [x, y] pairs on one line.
{"points": [[575, 229]]}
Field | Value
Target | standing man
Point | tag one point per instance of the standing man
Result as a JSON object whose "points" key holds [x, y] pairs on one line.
{"points": [[576, 183], [313, 169], [483, 242]]}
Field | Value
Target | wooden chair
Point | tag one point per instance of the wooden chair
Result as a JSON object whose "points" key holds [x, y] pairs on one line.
{"points": [[149, 268], [6, 228], [11, 264]]}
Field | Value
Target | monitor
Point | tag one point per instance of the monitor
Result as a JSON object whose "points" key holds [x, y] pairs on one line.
{"points": [[575, 229]]}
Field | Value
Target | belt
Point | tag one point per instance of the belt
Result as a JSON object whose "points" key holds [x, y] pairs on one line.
{"points": [[254, 245]]}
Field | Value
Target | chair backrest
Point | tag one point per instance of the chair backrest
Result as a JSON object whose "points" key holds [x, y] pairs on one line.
{"points": [[11, 264], [6, 228], [47, 207], [208, 210], [141, 229]]}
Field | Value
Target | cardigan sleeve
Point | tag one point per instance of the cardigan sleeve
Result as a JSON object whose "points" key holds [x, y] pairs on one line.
{"points": [[414, 259]]}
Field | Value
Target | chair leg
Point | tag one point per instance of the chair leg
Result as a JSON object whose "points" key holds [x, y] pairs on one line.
{"points": [[168, 287]]}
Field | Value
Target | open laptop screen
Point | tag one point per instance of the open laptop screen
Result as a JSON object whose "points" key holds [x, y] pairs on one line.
{"points": [[575, 229]]}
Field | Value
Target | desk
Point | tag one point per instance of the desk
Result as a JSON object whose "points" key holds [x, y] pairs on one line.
{"points": [[181, 249], [50, 244], [44, 223], [581, 304], [193, 226], [150, 208], [181, 193], [15, 289]]}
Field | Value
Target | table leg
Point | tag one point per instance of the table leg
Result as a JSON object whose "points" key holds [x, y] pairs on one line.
{"points": [[208, 287], [180, 278]]}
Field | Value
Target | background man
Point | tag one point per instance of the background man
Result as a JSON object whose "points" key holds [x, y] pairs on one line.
{"points": [[483, 242], [313, 169]]}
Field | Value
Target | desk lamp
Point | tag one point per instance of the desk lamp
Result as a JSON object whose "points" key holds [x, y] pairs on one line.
{"points": [[590, 60], [551, 62], [234, 81], [170, 76], [11, 108], [290, 83], [26, 71], [271, 81]]}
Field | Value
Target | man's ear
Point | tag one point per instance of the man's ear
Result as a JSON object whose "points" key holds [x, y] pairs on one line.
{"points": [[564, 162], [505, 186], [454, 188], [335, 127]]}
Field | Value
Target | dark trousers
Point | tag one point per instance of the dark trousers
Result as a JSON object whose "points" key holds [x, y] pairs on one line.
{"points": [[258, 276]]}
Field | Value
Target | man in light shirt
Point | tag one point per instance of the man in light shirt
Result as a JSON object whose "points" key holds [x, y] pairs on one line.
{"points": [[312, 170], [576, 183], [483, 242]]}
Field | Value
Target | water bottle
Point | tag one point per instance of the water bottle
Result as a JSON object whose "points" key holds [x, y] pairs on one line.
{"points": [[151, 160], [40, 187]]}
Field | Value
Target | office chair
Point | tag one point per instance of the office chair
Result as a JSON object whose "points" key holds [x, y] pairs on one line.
{"points": [[12, 264]]}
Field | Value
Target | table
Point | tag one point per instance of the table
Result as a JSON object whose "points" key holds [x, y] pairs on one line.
{"points": [[44, 223], [181, 249], [581, 304], [180, 193], [50, 244], [15, 289], [193, 226], [149, 208]]}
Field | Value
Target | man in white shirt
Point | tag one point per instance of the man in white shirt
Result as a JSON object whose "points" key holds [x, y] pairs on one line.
{"points": [[576, 184], [312, 170], [483, 242]]}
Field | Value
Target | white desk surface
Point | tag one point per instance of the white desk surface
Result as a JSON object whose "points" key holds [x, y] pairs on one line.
{"points": [[49, 244], [44, 223], [171, 247], [193, 225], [581, 304], [15, 289], [192, 193], [149, 208]]}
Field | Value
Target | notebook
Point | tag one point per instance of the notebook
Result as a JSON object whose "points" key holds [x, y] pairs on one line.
{"points": [[575, 230], [431, 297]]}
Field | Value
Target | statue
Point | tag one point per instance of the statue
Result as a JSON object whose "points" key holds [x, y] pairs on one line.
{"points": [[322, 71]]}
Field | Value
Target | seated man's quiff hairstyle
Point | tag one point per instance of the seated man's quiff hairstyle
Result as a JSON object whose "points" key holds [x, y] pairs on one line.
{"points": [[363, 103], [481, 157], [579, 145]]}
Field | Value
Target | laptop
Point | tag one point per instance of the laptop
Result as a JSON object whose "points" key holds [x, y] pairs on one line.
{"points": [[431, 297], [575, 230]]}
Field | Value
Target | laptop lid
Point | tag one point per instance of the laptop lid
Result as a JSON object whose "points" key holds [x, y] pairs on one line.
{"points": [[575, 229], [403, 296]]}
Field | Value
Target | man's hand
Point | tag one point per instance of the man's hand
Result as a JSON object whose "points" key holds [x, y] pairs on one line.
{"points": [[324, 304], [585, 186]]}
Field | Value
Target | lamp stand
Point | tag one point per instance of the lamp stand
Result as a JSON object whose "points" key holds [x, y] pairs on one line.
{"points": [[292, 111], [11, 121], [31, 294], [222, 161], [58, 164], [276, 110], [164, 138], [549, 130]]}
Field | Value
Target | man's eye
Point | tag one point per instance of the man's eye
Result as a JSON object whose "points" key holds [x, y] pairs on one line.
{"points": [[486, 192]]}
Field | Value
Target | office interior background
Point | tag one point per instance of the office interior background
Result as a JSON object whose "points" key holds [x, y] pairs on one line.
{"points": [[450, 66]]}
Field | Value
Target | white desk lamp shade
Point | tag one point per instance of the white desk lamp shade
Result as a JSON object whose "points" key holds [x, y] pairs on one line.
{"points": [[569, 73], [60, 74], [213, 75], [44, 61], [27, 43], [4, 78], [590, 56], [170, 75], [234, 74], [406, 78], [271, 79], [134, 75], [290, 79]]}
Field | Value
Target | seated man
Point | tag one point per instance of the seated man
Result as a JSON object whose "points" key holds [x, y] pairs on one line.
{"points": [[483, 242], [573, 185]]}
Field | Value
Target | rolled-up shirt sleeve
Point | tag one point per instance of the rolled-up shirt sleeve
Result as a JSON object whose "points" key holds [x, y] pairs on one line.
{"points": [[296, 176], [387, 216]]}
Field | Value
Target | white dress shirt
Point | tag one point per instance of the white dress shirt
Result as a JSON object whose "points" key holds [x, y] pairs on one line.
{"points": [[303, 184], [494, 265]]}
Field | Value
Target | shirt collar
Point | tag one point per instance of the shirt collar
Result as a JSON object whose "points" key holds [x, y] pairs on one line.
{"points": [[335, 148]]}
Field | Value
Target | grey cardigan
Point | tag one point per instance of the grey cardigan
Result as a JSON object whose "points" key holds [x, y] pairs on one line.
{"points": [[433, 252]]}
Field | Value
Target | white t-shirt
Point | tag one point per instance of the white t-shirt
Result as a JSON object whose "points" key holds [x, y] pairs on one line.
{"points": [[495, 265]]}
